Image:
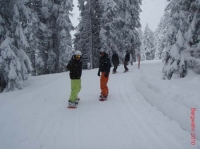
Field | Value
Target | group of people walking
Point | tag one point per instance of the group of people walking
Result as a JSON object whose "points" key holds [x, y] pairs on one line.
{"points": [[115, 61], [75, 68]]}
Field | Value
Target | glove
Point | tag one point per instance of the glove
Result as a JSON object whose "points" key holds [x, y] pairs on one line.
{"points": [[106, 74], [98, 73]]}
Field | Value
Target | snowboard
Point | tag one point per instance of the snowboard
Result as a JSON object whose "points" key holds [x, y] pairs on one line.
{"points": [[74, 106], [103, 99]]}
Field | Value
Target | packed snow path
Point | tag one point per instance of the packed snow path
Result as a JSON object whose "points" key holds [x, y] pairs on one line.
{"points": [[37, 117]]}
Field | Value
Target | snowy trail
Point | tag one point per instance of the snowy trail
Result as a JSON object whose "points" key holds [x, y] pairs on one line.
{"points": [[143, 118], [38, 117]]}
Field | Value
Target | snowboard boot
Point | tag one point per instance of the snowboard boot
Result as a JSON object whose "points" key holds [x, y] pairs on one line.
{"points": [[77, 100], [103, 98], [126, 70], [72, 104]]}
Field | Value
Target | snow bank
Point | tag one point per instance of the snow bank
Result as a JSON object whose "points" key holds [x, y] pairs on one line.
{"points": [[175, 98]]}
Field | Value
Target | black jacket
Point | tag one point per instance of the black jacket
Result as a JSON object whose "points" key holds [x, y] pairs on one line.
{"points": [[104, 63], [127, 57], [115, 59], [75, 68]]}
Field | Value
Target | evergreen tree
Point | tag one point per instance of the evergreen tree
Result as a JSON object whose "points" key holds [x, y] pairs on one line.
{"points": [[83, 38], [127, 24], [36, 31], [87, 37], [194, 35], [108, 33], [53, 33], [64, 26], [31, 32], [148, 47], [175, 60], [160, 32], [14, 62], [96, 27], [114, 25], [44, 34]]}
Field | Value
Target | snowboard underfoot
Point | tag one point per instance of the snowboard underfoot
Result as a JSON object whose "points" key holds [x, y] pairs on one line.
{"points": [[72, 107], [102, 99]]}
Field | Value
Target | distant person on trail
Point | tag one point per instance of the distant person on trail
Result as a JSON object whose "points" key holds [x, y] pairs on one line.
{"points": [[104, 69], [2, 82], [115, 61], [126, 60], [75, 68]]}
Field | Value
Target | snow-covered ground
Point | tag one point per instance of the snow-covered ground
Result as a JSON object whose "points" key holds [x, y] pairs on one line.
{"points": [[142, 112]]}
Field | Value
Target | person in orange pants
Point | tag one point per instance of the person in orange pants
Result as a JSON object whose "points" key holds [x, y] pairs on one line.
{"points": [[103, 84], [104, 69]]}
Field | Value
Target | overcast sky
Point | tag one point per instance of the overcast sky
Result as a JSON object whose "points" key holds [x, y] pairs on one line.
{"points": [[75, 13], [152, 11]]}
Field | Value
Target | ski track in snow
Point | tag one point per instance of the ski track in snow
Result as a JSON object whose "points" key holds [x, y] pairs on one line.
{"points": [[39, 118], [127, 95]]}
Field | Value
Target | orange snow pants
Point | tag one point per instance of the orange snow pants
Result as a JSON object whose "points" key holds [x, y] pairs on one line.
{"points": [[103, 84]]}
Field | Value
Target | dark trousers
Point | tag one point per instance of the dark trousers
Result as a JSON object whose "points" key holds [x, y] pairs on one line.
{"points": [[2, 86], [125, 65], [115, 67]]}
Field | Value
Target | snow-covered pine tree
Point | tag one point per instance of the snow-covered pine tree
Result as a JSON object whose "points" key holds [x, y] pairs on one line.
{"points": [[14, 62], [175, 51], [87, 36], [64, 26], [119, 23], [53, 54], [2, 28], [160, 41], [38, 35], [127, 24], [148, 44], [82, 39], [194, 36], [31, 31], [46, 59], [96, 26], [108, 32], [20, 18], [43, 35], [3, 32]]}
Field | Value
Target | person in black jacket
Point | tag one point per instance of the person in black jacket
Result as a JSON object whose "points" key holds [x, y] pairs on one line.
{"points": [[104, 69], [75, 68], [115, 61], [126, 60]]}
